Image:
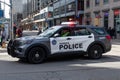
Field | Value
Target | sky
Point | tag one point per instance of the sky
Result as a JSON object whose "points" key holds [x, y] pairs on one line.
{"points": [[6, 8]]}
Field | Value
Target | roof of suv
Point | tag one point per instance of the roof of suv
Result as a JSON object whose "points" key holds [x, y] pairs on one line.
{"points": [[86, 26], [89, 26]]}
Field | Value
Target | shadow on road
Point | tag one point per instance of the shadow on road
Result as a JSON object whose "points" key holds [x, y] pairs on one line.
{"points": [[72, 58], [82, 59]]}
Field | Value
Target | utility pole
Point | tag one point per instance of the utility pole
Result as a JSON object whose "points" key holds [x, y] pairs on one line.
{"points": [[11, 23], [4, 8], [0, 4], [76, 10]]}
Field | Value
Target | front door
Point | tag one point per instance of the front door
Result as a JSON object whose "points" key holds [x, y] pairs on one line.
{"points": [[63, 42]]}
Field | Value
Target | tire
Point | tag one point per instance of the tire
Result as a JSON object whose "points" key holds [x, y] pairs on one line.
{"points": [[95, 52], [36, 55]]}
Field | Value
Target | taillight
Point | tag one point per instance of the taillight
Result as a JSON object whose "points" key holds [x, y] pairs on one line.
{"points": [[108, 37]]}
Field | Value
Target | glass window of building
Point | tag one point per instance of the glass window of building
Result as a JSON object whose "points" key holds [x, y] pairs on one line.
{"points": [[97, 2], [116, 0], [105, 1], [56, 11], [80, 4], [62, 10], [88, 19], [71, 7], [88, 4]]}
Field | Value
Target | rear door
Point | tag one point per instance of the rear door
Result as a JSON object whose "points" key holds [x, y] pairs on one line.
{"points": [[82, 39]]}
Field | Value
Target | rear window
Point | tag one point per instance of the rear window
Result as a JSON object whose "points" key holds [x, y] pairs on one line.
{"points": [[99, 31], [81, 31]]}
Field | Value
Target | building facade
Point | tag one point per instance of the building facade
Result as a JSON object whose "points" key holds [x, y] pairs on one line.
{"points": [[17, 11], [31, 8], [53, 12], [102, 13]]}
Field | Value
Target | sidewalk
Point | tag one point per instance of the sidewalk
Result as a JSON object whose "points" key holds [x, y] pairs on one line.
{"points": [[116, 41], [3, 51]]}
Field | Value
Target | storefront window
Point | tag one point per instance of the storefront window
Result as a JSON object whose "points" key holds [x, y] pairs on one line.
{"points": [[88, 4], [56, 11], [105, 1], [116, 0], [97, 2], [71, 7], [88, 19], [106, 16], [62, 9], [97, 19], [117, 20]]}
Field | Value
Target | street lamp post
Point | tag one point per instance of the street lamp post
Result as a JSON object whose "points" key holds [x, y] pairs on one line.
{"points": [[11, 17], [11, 23], [76, 10]]}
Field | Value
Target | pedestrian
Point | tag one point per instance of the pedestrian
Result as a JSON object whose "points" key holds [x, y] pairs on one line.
{"points": [[14, 31], [3, 38], [113, 34], [109, 31], [40, 31], [19, 32]]}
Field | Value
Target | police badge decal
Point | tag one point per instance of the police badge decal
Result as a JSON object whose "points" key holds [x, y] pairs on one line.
{"points": [[54, 42]]}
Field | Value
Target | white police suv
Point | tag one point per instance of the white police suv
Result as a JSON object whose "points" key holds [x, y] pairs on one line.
{"points": [[93, 41]]}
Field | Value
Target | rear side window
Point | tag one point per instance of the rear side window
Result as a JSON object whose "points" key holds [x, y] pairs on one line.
{"points": [[81, 32], [99, 31]]}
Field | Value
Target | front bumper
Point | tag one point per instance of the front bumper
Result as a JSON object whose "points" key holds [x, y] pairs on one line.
{"points": [[15, 51]]}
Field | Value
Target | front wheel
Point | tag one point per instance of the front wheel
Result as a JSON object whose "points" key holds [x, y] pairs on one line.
{"points": [[36, 55], [95, 52]]}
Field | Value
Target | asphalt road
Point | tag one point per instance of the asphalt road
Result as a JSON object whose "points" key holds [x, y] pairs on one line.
{"points": [[67, 67]]}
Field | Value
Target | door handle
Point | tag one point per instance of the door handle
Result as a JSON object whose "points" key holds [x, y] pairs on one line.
{"points": [[69, 38], [89, 36]]}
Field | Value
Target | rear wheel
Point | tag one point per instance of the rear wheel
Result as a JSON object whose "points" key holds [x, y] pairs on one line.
{"points": [[36, 55], [95, 52]]}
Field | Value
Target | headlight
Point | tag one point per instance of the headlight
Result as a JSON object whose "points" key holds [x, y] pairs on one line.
{"points": [[27, 42]]}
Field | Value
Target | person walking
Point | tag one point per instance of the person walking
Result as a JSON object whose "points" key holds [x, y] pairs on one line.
{"points": [[40, 31], [14, 31], [113, 33], [19, 32], [3, 38]]}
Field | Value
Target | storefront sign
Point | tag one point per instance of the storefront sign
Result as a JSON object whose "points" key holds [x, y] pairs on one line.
{"points": [[106, 14], [116, 12]]}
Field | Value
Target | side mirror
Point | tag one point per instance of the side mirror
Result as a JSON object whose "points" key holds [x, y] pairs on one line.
{"points": [[56, 35]]}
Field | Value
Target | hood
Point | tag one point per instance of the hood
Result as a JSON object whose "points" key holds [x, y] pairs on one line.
{"points": [[29, 38]]}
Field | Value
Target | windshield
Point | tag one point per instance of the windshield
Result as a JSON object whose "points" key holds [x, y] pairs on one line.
{"points": [[49, 31]]}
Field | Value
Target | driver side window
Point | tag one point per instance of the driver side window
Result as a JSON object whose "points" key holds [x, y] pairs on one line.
{"points": [[63, 33]]}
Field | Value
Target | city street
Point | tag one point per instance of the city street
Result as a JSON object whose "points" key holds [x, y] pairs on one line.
{"points": [[63, 67], [80, 23]]}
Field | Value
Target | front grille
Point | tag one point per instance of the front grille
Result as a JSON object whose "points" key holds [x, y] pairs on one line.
{"points": [[16, 43]]}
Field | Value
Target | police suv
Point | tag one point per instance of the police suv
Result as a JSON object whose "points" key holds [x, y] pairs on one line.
{"points": [[93, 41]]}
